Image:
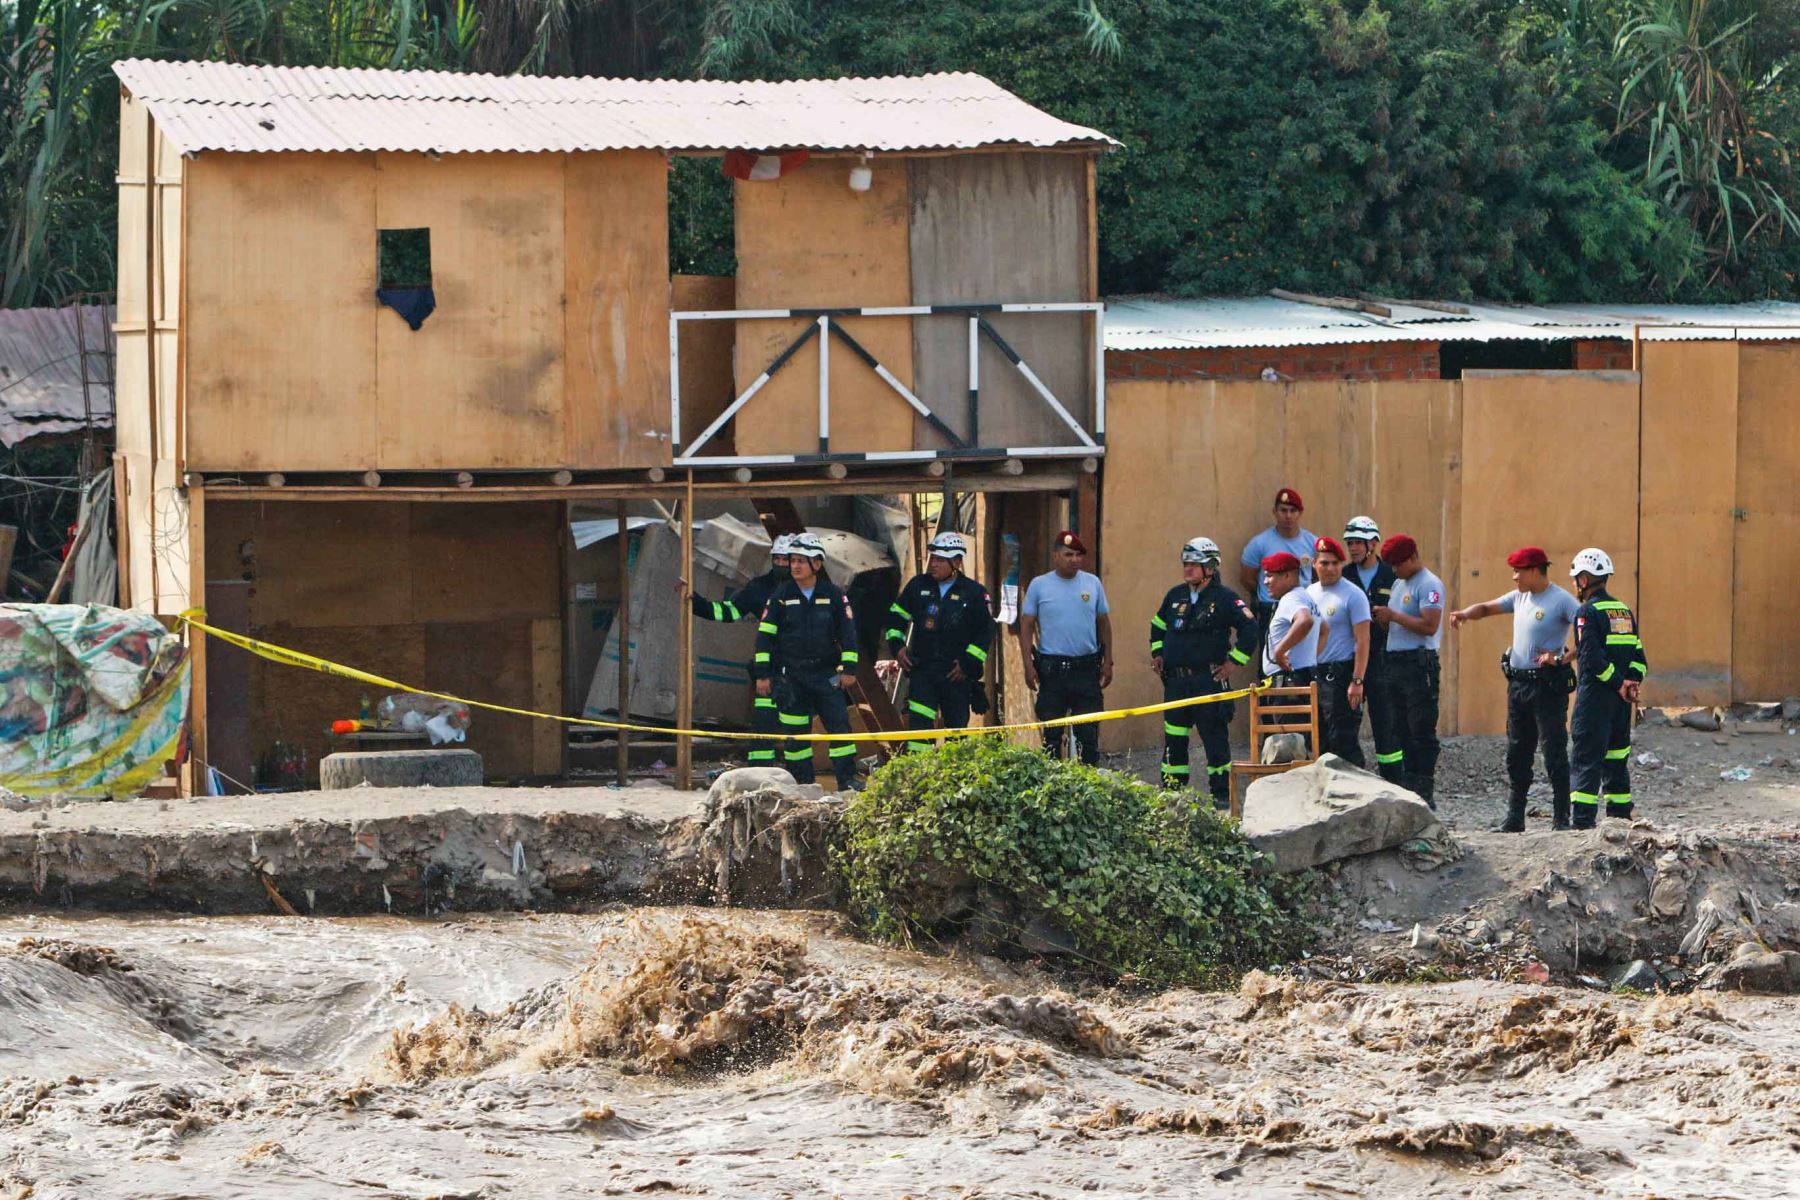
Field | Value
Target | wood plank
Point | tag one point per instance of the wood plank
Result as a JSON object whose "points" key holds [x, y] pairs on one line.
{"points": [[480, 384], [168, 509], [516, 545], [616, 276], [197, 707], [1526, 485], [548, 738], [807, 241], [1765, 656], [1688, 465], [707, 386], [265, 392], [1002, 228]]}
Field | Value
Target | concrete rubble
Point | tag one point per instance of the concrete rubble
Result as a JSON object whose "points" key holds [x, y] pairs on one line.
{"points": [[1329, 810]]}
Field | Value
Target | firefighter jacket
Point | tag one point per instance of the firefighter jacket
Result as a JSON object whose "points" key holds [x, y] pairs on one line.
{"points": [[1608, 649], [747, 601], [810, 637], [1194, 634], [955, 627], [1380, 591]]}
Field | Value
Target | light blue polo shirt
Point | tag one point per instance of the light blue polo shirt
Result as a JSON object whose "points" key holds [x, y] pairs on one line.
{"points": [[1541, 623], [1342, 606], [1067, 612], [1412, 597], [1269, 542]]}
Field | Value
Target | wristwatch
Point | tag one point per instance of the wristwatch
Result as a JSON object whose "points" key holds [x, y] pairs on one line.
{"points": [[1357, 679]]}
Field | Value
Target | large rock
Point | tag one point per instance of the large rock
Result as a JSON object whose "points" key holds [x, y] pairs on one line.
{"points": [[745, 780], [1329, 810], [1772, 973], [399, 768]]}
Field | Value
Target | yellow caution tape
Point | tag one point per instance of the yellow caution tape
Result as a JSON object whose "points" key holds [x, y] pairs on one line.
{"points": [[295, 658]]}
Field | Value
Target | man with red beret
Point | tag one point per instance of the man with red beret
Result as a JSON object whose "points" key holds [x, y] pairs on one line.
{"points": [[1413, 618], [1067, 636], [1291, 649], [1343, 610], [1285, 536], [1538, 680]]}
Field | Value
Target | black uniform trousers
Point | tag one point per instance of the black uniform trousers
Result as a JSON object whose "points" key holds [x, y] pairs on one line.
{"points": [[1600, 734], [932, 696], [1340, 725], [1411, 684], [1212, 720], [1066, 688], [765, 717], [801, 695], [1537, 718], [1386, 720]]}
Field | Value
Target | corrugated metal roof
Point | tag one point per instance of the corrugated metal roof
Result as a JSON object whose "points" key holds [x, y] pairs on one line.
{"points": [[40, 372], [1156, 323], [227, 107]]}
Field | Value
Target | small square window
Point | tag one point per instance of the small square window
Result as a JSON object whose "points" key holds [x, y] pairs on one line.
{"points": [[404, 257]]}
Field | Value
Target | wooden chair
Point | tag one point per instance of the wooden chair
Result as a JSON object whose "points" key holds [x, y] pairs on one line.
{"points": [[1271, 711]]}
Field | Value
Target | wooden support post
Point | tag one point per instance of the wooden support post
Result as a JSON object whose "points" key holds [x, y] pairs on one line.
{"points": [[195, 777], [742, 475], [1087, 517], [1011, 466], [121, 531], [623, 772], [934, 469], [1090, 465], [9, 537], [684, 695], [655, 474], [371, 479], [836, 470]]}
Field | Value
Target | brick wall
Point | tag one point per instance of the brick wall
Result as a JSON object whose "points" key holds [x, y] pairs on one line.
{"points": [[1603, 354], [1360, 361]]}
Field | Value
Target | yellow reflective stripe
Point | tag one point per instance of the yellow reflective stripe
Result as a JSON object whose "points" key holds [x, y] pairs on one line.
{"points": [[731, 608], [1155, 646], [767, 627], [1618, 798], [918, 745], [1169, 770], [1396, 756], [841, 751], [1176, 730], [976, 652], [1223, 769], [924, 710], [1623, 639], [1606, 674], [1640, 668], [797, 755], [765, 702], [1239, 657], [795, 719], [893, 635], [895, 607], [1610, 605], [761, 756], [1618, 754], [851, 656], [761, 656], [1158, 623], [1584, 798]]}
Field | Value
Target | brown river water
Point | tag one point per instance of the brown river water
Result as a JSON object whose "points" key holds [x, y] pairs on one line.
{"points": [[748, 1054]]}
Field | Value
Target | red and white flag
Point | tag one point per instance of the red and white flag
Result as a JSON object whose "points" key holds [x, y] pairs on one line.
{"points": [[756, 168]]}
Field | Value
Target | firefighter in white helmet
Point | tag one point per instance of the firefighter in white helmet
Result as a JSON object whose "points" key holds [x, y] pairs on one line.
{"points": [[806, 657], [951, 622], [1609, 668], [1368, 571], [1192, 648]]}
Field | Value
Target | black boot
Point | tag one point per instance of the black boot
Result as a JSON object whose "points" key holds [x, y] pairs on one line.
{"points": [[1515, 816], [1421, 787], [1621, 811], [1393, 772], [1559, 807], [1585, 816]]}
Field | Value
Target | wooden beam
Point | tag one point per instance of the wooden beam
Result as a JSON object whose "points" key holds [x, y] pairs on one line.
{"points": [[1087, 518], [656, 474], [1011, 466], [121, 531], [622, 769], [1443, 306], [275, 479], [684, 695], [835, 470], [9, 537], [741, 475], [935, 469], [1090, 466], [464, 479], [195, 776], [1345, 303]]}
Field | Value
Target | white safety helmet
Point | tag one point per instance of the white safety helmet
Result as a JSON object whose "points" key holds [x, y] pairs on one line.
{"points": [[949, 545], [806, 544], [1592, 561], [784, 545], [1362, 529], [1201, 550]]}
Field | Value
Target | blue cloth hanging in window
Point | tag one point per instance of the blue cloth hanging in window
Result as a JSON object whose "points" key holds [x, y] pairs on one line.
{"points": [[413, 303]]}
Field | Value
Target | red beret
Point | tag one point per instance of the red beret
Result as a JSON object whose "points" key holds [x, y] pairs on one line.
{"points": [[1067, 540], [1398, 549], [1275, 564], [1333, 545], [1527, 556], [1289, 496]]}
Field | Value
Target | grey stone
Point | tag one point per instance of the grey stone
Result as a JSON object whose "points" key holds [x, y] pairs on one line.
{"points": [[747, 780], [399, 768], [1655, 716], [1328, 810], [1766, 972], [1637, 975], [1703, 719], [1790, 709], [1283, 748]]}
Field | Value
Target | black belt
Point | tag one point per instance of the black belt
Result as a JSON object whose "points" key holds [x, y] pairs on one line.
{"points": [[1185, 672], [1404, 653], [1066, 662]]}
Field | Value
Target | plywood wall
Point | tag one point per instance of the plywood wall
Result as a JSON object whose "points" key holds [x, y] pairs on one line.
{"points": [[1765, 653], [807, 241], [462, 598], [1197, 458], [1550, 458], [1690, 416], [707, 386], [1002, 228], [548, 347]]}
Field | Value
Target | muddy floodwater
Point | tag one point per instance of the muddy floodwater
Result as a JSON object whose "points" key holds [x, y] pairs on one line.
{"points": [[690, 1052]]}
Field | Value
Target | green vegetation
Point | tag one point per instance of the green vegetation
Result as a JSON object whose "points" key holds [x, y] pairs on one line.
{"points": [[1504, 149], [1149, 884]]}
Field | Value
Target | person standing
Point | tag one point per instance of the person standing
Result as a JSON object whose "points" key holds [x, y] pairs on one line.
{"points": [[1067, 636], [1285, 536], [1367, 570], [1191, 650], [1343, 610], [1538, 680], [952, 625], [806, 657], [749, 601], [1610, 666], [1413, 623], [1291, 649]]}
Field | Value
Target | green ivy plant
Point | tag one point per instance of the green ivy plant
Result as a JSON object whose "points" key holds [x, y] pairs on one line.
{"points": [[1150, 885]]}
